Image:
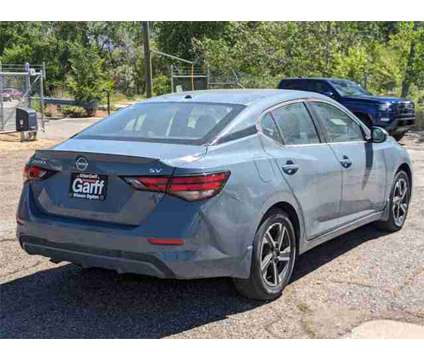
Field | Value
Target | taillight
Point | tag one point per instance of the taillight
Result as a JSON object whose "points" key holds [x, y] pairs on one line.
{"points": [[191, 188], [32, 172]]}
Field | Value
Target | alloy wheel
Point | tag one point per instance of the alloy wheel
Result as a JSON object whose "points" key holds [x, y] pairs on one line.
{"points": [[275, 254], [400, 201]]}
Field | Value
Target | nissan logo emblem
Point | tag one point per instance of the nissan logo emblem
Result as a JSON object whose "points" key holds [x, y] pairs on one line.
{"points": [[81, 163]]}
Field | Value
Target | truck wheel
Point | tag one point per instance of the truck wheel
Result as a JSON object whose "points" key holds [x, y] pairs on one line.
{"points": [[399, 136], [273, 258]]}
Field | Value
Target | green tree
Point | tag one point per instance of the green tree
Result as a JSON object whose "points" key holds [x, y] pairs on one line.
{"points": [[87, 80], [387, 57], [177, 37], [414, 67]]}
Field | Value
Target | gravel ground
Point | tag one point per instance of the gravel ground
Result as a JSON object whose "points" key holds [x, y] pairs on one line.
{"points": [[362, 276]]}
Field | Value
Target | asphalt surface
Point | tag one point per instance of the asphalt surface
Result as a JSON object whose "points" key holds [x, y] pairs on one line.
{"points": [[364, 275]]}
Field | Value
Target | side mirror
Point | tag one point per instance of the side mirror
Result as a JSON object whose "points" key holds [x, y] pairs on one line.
{"points": [[378, 134]]}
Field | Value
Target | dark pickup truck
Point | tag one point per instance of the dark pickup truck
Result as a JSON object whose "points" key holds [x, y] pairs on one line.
{"points": [[394, 114]]}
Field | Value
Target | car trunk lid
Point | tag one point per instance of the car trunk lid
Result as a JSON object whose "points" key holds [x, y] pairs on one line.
{"points": [[83, 167]]}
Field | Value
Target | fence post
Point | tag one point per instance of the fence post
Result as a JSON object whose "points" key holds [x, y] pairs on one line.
{"points": [[28, 83], [42, 99], [108, 101], [172, 78], [1, 97], [207, 76], [192, 76]]}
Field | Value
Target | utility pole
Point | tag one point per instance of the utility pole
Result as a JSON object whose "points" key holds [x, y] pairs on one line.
{"points": [[147, 59], [1, 98], [409, 71]]}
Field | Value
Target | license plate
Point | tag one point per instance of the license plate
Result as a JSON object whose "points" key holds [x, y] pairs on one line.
{"points": [[88, 186]]}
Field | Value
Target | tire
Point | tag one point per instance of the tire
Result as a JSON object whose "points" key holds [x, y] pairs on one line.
{"points": [[265, 285], [398, 209], [399, 136]]}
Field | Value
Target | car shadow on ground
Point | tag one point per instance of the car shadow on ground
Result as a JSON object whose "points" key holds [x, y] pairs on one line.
{"points": [[69, 302]]}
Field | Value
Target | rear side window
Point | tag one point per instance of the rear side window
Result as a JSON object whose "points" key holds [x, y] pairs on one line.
{"points": [[296, 125], [338, 126], [269, 128], [189, 123], [306, 85], [319, 87]]}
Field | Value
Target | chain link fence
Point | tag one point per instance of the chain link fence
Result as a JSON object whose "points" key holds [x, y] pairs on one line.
{"points": [[200, 77], [188, 77], [20, 86]]}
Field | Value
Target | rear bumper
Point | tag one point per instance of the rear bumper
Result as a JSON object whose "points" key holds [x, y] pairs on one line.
{"points": [[121, 261], [205, 253], [169, 264]]}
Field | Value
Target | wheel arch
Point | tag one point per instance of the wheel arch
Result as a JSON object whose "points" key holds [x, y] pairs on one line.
{"points": [[293, 216], [405, 167]]}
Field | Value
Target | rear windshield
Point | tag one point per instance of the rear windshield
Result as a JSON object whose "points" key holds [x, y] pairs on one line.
{"points": [[173, 122]]}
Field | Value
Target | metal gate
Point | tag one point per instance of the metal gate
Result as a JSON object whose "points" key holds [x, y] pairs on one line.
{"points": [[188, 77], [20, 85], [201, 77]]}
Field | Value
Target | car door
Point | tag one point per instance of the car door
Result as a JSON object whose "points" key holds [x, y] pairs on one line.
{"points": [[362, 162], [307, 165]]}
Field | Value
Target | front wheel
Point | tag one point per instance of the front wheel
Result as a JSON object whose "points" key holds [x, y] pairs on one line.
{"points": [[273, 258], [399, 203]]}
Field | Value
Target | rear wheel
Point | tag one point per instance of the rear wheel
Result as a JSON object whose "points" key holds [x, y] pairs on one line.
{"points": [[399, 203], [274, 253]]}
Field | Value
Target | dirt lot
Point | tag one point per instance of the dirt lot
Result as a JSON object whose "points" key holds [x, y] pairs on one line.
{"points": [[364, 275]]}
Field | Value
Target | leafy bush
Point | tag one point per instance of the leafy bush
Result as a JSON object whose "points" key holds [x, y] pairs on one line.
{"points": [[161, 85], [73, 111], [36, 106]]}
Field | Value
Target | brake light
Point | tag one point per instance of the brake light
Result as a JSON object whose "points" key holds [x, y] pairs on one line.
{"points": [[32, 172], [191, 188]]}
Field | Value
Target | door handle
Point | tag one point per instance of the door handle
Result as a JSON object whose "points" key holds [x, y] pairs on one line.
{"points": [[346, 162], [290, 167]]}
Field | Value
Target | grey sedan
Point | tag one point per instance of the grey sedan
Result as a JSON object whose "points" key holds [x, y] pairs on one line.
{"points": [[225, 183]]}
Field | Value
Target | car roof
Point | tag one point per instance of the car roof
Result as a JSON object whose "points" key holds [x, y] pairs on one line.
{"points": [[235, 96]]}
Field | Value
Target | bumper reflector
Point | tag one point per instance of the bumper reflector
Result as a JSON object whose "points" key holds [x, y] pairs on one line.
{"points": [[165, 241]]}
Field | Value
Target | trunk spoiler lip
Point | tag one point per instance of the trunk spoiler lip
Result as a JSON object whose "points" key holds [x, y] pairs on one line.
{"points": [[47, 154], [50, 158], [157, 150]]}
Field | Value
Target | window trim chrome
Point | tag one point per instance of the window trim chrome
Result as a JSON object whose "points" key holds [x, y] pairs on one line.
{"points": [[366, 130], [282, 104]]}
